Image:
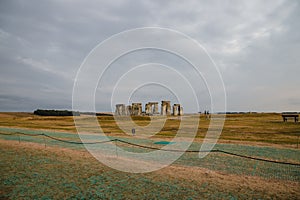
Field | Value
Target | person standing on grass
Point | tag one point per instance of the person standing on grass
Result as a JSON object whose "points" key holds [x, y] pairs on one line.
{"points": [[207, 114]]}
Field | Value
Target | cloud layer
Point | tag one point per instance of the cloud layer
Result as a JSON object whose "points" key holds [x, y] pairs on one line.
{"points": [[255, 44]]}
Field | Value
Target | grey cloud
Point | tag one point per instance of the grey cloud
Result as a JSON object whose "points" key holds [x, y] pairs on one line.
{"points": [[255, 43]]}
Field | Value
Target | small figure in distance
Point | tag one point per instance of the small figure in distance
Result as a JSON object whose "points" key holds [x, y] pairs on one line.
{"points": [[133, 131], [207, 114]]}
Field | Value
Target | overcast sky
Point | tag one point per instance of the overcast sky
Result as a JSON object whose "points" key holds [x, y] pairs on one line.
{"points": [[255, 44]]}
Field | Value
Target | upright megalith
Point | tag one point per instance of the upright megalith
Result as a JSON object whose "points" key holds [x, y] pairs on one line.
{"points": [[151, 108], [136, 109], [177, 110], [147, 109], [165, 107], [128, 110], [155, 109], [180, 111], [120, 109]]}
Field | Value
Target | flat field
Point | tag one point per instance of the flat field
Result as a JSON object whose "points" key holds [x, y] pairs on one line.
{"points": [[43, 168], [265, 128]]}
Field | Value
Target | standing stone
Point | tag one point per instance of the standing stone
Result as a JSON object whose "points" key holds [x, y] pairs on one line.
{"points": [[148, 109], [180, 110], [120, 109], [155, 111], [128, 110], [151, 108], [136, 109], [175, 109], [165, 108]]}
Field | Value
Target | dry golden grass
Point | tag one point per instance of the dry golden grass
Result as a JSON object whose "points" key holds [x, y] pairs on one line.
{"points": [[264, 127], [35, 171]]}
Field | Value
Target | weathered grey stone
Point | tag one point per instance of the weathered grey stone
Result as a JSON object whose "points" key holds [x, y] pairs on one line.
{"points": [[155, 111], [120, 109], [128, 110], [151, 108], [165, 108], [136, 109], [180, 110], [148, 109], [177, 109]]}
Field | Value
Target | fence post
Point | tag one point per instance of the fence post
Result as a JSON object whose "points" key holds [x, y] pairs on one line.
{"points": [[44, 140], [116, 147]]}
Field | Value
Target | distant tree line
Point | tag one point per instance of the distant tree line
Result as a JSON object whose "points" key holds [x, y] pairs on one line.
{"points": [[55, 113], [96, 114]]}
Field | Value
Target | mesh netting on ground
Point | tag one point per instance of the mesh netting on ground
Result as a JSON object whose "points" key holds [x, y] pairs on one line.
{"points": [[266, 162]]}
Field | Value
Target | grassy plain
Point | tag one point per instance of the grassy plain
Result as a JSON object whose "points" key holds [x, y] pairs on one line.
{"points": [[265, 128], [30, 170]]}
